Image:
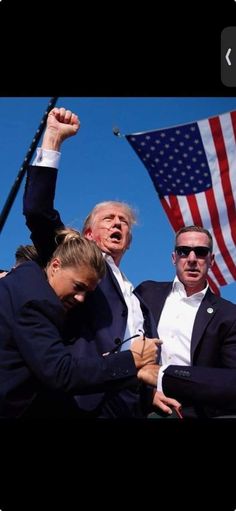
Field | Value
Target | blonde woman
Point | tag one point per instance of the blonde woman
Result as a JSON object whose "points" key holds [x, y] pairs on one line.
{"points": [[34, 361]]}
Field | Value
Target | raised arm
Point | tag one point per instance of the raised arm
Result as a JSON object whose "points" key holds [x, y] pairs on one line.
{"points": [[38, 203]]}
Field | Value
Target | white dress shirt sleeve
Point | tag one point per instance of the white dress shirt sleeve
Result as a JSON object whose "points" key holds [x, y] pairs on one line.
{"points": [[47, 158], [160, 376]]}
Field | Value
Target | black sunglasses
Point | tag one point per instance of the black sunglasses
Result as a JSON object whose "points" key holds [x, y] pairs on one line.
{"points": [[184, 251]]}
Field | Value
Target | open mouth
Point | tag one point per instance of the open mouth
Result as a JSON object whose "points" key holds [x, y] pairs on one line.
{"points": [[116, 236]]}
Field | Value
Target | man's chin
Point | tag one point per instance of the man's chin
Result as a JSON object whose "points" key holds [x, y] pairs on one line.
{"points": [[114, 248]]}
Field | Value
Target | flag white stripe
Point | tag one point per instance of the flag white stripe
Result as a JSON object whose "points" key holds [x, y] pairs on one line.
{"points": [[230, 145]]}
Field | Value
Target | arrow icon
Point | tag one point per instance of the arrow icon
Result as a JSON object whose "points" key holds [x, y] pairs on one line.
{"points": [[227, 57]]}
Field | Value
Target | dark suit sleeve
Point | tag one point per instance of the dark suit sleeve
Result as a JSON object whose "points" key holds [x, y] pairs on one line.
{"points": [[41, 217], [42, 349], [200, 385]]}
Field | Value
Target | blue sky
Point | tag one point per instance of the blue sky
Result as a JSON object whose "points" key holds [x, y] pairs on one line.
{"points": [[98, 166]]}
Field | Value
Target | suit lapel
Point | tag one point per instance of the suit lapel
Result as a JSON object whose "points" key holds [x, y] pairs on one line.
{"points": [[150, 328], [115, 282], [160, 300], [205, 314]]}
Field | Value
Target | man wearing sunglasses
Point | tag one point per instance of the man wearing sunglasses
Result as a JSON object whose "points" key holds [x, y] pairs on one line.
{"points": [[198, 331]]}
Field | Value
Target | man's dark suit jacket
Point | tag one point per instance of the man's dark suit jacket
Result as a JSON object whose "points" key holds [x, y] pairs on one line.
{"points": [[33, 357], [103, 315], [213, 345]]}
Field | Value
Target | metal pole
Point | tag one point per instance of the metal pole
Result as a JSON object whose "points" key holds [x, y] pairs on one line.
{"points": [[12, 195]]}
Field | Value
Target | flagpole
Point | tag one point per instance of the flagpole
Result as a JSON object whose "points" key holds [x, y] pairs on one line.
{"points": [[116, 132], [13, 192]]}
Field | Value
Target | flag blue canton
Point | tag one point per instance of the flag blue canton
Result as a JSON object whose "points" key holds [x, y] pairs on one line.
{"points": [[175, 159]]}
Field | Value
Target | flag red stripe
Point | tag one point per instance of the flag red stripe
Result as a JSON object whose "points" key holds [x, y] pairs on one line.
{"points": [[193, 205], [224, 172], [218, 275], [215, 220], [173, 212], [213, 286], [233, 119]]}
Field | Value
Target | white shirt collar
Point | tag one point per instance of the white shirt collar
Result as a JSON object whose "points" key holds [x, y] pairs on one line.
{"points": [[178, 286]]}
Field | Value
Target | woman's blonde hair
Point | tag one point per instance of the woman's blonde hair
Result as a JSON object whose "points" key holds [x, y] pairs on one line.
{"points": [[73, 249]]}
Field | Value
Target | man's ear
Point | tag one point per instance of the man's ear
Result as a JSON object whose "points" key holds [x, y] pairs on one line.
{"points": [[88, 233], [173, 257], [212, 260]]}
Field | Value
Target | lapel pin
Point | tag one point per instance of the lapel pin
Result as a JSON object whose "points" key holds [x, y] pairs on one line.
{"points": [[209, 310]]}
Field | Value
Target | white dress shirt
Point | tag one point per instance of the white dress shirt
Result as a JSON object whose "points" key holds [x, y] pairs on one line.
{"points": [[135, 316], [176, 325]]}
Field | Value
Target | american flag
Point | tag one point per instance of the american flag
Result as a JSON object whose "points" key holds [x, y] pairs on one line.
{"points": [[193, 169]]}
